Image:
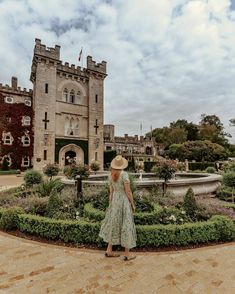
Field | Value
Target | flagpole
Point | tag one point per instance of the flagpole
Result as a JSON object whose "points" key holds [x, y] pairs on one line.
{"points": [[82, 57]]}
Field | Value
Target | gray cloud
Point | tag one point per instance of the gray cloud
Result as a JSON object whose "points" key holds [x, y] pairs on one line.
{"points": [[166, 59]]}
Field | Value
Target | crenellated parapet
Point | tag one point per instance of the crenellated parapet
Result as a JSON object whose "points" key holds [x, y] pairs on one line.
{"points": [[49, 52], [98, 67], [14, 89]]}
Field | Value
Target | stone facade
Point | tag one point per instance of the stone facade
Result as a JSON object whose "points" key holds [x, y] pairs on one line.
{"points": [[16, 130], [137, 148], [68, 104]]}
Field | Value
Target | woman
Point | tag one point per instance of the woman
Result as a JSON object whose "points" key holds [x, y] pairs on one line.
{"points": [[118, 226]]}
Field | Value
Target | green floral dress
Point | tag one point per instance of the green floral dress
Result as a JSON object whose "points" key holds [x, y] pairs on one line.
{"points": [[118, 226]]}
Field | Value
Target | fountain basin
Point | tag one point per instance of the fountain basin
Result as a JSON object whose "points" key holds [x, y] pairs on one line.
{"points": [[201, 183]]}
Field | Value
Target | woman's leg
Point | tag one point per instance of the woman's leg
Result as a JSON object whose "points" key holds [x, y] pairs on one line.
{"points": [[128, 255], [109, 248]]}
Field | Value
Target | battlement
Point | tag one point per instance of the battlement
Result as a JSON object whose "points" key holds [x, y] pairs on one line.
{"points": [[66, 67], [49, 52], [14, 89], [99, 67]]}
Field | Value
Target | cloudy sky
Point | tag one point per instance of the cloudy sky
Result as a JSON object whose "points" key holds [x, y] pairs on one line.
{"points": [[166, 59]]}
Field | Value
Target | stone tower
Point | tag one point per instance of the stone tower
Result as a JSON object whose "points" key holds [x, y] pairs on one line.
{"points": [[68, 105]]}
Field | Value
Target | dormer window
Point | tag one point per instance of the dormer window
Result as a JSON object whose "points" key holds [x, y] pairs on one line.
{"points": [[26, 141], [26, 120], [9, 99], [7, 138]]}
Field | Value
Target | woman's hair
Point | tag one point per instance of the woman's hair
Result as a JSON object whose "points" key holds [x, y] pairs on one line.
{"points": [[115, 173]]}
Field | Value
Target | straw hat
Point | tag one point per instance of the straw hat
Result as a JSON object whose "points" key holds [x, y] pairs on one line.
{"points": [[119, 162]]}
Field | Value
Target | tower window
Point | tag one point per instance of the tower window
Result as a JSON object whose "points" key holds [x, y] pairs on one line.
{"points": [[96, 98], [72, 96], [45, 155], [66, 95], [46, 88]]}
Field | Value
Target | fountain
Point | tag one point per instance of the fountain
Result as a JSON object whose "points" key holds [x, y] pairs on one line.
{"points": [[201, 183]]}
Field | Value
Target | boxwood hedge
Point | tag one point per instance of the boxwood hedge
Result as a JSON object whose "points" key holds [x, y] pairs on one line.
{"points": [[218, 228]]}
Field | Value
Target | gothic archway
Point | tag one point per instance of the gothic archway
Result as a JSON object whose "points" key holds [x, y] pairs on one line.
{"points": [[74, 151]]}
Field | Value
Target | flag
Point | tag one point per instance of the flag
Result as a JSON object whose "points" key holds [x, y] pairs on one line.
{"points": [[80, 55]]}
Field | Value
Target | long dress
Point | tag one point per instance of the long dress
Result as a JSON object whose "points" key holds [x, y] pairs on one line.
{"points": [[118, 225]]}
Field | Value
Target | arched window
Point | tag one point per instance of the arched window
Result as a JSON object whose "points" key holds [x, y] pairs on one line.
{"points": [[67, 126], [79, 97], [26, 141], [26, 120], [25, 161], [7, 138], [66, 95], [71, 127], [72, 96]]}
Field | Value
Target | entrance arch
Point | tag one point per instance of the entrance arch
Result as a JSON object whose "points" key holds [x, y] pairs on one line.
{"points": [[70, 150]]}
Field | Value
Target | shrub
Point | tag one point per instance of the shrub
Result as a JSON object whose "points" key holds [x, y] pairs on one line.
{"points": [[5, 164], [44, 189], [190, 204], [166, 169], [193, 166], [32, 177], [210, 170], [148, 165], [9, 218], [95, 166], [35, 205], [229, 179], [143, 203], [73, 170], [82, 232], [54, 204], [10, 172], [51, 170], [224, 193]]}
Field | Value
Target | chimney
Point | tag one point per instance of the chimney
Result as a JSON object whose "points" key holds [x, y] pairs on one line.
{"points": [[14, 83]]}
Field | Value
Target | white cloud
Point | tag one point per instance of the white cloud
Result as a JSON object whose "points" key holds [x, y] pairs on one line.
{"points": [[166, 59]]}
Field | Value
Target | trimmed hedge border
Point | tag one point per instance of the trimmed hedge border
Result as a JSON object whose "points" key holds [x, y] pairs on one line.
{"points": [[10, 172], [97, 215], [218, 228]]}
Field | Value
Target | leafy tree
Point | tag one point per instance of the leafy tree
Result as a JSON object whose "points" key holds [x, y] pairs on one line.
{"points": [[211, 128]]}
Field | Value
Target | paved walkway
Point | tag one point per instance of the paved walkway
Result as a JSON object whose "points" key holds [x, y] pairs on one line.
{"points": [[30, 267], [9, 181]]}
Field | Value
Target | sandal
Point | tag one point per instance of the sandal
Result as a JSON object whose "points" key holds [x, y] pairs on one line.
{"points": [[111, 254], [127, 258]]}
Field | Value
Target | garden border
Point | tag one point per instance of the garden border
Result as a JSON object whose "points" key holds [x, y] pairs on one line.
{"points": [[218, 228]]}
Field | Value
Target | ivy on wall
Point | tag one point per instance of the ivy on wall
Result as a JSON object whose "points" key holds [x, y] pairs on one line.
{"points": [[15, 112]]}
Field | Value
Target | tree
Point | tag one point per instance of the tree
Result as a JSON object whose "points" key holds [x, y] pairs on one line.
{"points": [[211, 128]]}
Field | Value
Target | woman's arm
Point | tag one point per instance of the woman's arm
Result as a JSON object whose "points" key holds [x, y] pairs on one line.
{"points": [[129, 195]]}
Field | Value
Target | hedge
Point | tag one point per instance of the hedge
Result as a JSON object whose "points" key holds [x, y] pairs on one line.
{"points": [[147, 218], [200, 165], [218, 228], [148, 165], [10, 172]]}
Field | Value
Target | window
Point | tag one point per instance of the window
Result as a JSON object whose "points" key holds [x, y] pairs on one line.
{"points": [[96, 156], [46, 88], [96, 98], [66, 95], [26, 141], [7, 138], [9, 99], [27, 102], [26, 120], [72, 96], [79, 97], [25, 161], [45, 155]]}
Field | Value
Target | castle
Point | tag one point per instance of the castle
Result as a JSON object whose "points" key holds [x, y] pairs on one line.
{"points": [[67, 110]]}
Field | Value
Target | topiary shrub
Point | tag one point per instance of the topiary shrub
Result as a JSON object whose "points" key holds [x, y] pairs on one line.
{"points": [[51, 170], [73, 170], [95, 166], [9, 218], [32, 177], [229, 179], [210, 170], [189, 204], [54, 204]]}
